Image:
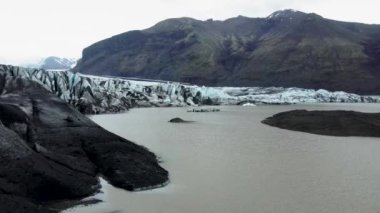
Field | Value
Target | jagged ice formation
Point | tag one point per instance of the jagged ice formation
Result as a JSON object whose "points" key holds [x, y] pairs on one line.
{"points": [[94, 94]]}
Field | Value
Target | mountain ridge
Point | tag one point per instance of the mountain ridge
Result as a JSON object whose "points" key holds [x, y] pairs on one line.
{"points": [[288, 48]]}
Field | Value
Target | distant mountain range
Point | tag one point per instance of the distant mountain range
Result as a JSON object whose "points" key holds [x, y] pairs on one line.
{"points": [[288, 48], [49, 63], [56, 63]]}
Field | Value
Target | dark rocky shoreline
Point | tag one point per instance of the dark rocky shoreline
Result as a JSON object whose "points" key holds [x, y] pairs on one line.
{"points": [[334, 123], [49, 152]]}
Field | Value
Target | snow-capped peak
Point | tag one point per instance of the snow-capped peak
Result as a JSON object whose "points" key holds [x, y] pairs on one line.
{"points": [[57, 63], [48, 63]]}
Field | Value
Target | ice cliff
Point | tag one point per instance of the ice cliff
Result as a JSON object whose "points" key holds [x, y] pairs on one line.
{"points": [[94, 94]]}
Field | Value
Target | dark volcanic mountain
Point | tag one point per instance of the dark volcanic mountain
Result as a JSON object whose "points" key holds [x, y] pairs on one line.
{"points": [[288, 48]]}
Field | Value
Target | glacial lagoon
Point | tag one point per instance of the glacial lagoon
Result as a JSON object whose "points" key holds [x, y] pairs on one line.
{"points": [[229, 161]]}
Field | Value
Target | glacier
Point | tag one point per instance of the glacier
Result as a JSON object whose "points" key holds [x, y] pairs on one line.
{"points": [[98, 94]]}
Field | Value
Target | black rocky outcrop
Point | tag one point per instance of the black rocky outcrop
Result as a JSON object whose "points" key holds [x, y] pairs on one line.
{"points": [[51, 152], [335, 123]]}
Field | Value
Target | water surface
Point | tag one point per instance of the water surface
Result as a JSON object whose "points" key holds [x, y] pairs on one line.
{"points": [[229, 162]]}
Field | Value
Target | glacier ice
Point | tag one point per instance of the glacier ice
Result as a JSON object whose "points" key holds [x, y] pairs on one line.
{"points": [[97, 94]]}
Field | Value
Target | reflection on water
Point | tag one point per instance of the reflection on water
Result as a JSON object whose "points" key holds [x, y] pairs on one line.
{"points": [[229, 162]]}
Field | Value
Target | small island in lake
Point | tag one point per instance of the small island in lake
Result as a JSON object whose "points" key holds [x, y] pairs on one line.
{"points": [[335, 123], [179, 120]]}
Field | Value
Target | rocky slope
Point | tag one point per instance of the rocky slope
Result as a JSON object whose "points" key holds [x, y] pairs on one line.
{"points": [[335, 123], [51, 152], [288, 49], [93, 94]]}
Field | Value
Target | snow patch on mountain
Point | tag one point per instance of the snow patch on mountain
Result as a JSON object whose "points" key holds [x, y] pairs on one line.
{"points": [[287, 13]]}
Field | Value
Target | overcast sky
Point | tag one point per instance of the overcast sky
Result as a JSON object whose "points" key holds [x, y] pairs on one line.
{"points": [[40, 28]]}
